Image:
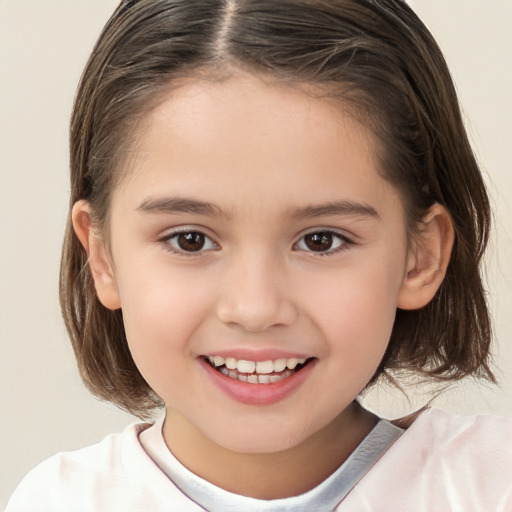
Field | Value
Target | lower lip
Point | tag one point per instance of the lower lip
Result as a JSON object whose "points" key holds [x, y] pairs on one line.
{"points": [[257, 394]]}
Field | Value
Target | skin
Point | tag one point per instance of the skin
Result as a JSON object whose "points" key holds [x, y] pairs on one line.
{"points": [[265, 155]]}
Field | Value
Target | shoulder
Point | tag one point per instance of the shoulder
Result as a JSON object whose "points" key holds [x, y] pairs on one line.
{"points": [[54, 481], [447, 462], [466, 450], [479, 437], [109, 476]]}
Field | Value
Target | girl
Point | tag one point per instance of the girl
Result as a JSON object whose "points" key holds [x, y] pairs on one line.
{"points": [[274, 204]]}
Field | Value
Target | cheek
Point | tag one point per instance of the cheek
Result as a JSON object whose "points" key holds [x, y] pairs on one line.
{"points": [[356, 310], [161, 312], [358, 327]]}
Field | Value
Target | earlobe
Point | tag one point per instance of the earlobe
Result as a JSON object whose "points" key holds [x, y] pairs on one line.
{"points": [[98, 260], [428, 259]]}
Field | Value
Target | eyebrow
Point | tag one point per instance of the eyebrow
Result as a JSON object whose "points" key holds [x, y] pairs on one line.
{"points": [[181, 205], [342, 208], [186, 205]]}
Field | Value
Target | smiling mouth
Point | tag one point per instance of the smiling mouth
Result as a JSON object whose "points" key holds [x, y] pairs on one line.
{"points": [[257, 372]]}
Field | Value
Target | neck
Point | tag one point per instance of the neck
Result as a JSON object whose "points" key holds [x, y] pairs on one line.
{"points": [[269, 475]]}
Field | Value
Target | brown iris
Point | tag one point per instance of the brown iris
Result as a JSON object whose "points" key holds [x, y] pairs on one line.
{"points": [[190, 242], [318, 242]]}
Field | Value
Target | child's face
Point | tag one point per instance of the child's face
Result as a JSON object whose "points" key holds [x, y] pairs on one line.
{"points": [[292, 246]]}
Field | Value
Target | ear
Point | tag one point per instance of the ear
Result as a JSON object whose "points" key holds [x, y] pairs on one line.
{"points": [[98, 260], [428, 259]]}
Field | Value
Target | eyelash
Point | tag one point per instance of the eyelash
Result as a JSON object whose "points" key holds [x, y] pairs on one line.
{"points": [[343, 244]]}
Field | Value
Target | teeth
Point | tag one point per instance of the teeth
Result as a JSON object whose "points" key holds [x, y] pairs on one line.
{"points": [[246, 366], [254, 378], [230, 363], [218, 361], [279, 365], [264, 366], [258, 367], [292, 363]]}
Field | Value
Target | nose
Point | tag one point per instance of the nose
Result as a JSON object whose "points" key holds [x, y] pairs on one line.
{"points": [[256, 295]]}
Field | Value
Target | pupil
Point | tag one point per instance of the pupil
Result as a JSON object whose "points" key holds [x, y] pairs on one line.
{"points": [[191, 241], [319, 241]]}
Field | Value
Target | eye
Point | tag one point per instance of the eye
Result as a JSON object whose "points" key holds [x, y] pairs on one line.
{"points": [[322, 242], [189, 242]]}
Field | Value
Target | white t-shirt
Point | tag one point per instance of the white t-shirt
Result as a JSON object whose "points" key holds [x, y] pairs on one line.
{"points": [[441, 463], [325, 496]]}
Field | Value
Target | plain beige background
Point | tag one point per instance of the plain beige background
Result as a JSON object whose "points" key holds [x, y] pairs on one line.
{"points": [[43, 47]]}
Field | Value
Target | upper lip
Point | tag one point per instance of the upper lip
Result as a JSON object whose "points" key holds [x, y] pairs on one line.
{"points": [[257, 355]]}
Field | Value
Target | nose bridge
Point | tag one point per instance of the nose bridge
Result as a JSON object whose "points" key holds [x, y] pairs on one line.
{"points": [[254, 291]]}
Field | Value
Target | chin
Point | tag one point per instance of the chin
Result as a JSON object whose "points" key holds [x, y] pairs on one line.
{"points": [[260, 439]]}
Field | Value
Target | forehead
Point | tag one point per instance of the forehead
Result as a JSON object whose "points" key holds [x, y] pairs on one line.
{"points": [[245, 138]]}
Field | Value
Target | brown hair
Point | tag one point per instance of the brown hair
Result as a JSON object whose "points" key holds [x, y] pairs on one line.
{"points": [[374, 54]]}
